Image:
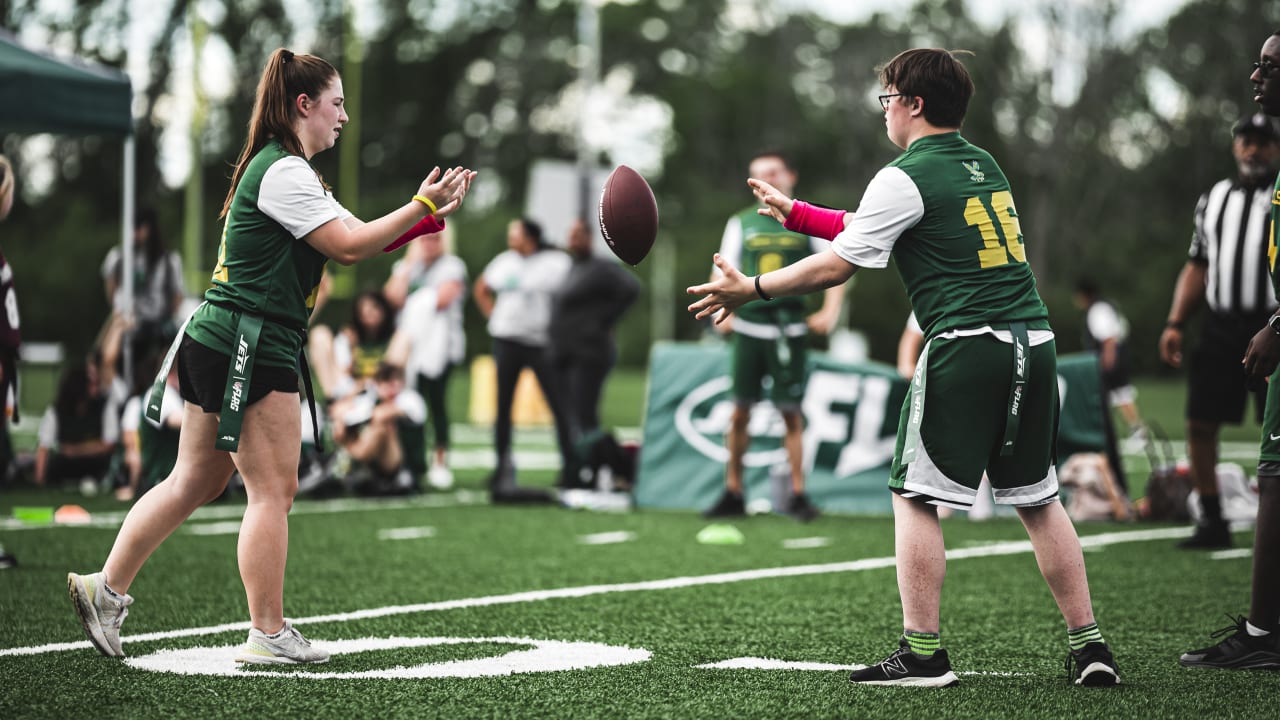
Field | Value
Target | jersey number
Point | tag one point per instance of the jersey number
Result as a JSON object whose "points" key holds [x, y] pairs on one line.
{"points": [[768, 262], [1001, 212]]}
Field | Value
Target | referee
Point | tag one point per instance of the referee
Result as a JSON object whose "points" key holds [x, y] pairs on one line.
{"points": [[1228, 270]]}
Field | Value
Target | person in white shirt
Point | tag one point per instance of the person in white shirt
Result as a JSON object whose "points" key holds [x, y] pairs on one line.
{"points": [[515, 292]]}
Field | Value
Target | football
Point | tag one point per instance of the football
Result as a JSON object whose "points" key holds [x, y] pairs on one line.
{"points": [[628, 215]]}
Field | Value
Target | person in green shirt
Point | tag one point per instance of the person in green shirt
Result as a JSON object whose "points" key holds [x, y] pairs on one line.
{"points": [[770, 340], [237, 354], [1255, 642], [984, 395]]}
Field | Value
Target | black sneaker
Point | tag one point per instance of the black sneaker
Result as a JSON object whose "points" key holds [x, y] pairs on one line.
{"points": [[904, 667], [1240, 651], [730, 504], [1208, 536], [801, 509], [1093, 666]]}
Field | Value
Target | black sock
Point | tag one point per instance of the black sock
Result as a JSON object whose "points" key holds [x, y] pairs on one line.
{"points": [[1212, 507]]}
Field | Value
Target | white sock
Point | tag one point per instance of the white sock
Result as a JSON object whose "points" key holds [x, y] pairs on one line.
{"points": [[1254, 630]]}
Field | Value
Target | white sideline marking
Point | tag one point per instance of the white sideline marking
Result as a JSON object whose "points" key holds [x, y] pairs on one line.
{"points": [[302, 507], [228, 527], [406, 533], [1006, 548], [805, 543], [1231, 554], [532, 656], [754, 663], [607, 538]]}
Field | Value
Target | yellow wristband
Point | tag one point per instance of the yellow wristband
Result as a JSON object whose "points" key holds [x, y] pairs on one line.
{"points": [[426, 201]]}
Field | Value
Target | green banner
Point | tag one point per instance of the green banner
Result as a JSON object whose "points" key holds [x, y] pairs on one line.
{"points": [[851, 419]]}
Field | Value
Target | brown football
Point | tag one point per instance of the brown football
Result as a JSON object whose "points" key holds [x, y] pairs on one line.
{"points": [[628, 215]]}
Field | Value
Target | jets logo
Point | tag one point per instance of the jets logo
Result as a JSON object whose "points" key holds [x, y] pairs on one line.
{"points": [[975, 174]]}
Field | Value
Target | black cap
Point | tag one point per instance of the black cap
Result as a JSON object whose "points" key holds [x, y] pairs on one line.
{"points": [[1256, 124]]}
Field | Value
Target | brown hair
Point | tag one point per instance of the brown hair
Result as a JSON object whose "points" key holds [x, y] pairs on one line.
{"points": [[935, 75], [285, 77]]}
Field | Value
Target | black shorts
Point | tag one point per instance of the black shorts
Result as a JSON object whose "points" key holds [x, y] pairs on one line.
{"points": [[1216, 385], [202, 377]]}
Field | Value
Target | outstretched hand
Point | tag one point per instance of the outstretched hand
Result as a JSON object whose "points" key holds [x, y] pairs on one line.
{"points": [[724, 294], [776, 205], [446, 189]]}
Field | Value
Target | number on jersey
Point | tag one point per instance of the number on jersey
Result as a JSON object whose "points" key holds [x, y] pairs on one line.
{"points": [[1001, 212]]}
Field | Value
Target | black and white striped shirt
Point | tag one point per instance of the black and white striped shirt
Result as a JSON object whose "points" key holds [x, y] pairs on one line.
{"points": [[1232, 232]]}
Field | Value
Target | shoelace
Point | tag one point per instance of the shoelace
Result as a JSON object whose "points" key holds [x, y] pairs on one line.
{"points": [[298, 636], [1237, 626]]}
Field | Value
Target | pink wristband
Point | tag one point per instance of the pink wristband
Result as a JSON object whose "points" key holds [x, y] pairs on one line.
{"points": [[425, 226], [815, 221]]}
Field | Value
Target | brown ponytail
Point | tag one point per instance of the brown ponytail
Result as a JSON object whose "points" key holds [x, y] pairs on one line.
{"points": [[285, 77]]}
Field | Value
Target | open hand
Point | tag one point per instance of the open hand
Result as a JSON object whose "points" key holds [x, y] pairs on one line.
{"points": [[446, 189], [724, 294], [776, 205]]}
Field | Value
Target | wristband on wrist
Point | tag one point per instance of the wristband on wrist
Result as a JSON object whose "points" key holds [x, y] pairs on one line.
{"points": [[426, 201], [1274, 323], [1174, 324], [810, 219], [760, 291]]}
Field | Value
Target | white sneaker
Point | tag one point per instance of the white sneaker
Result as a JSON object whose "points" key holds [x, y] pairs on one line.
{"points": [[286, 647], [440, 477], [101, 612]]}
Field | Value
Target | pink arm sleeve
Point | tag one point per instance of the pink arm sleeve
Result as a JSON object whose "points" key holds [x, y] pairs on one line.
{"points": [[425, 226], [815, 221]]}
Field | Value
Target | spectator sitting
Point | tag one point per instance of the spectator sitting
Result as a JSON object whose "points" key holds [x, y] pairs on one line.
{"points": [[343, 363], [381, 429], [78, 434]]}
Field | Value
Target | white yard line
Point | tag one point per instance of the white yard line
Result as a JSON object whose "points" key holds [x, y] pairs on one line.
{"points": [[304, 507], [1231, 554], [607, 538], [805, 543], [406, 533], [1005, 548], [755, 663]]}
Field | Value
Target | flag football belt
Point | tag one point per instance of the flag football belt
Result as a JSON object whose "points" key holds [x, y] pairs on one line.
{"points": [[239, 375], [1017, 385], [1017, 388]]}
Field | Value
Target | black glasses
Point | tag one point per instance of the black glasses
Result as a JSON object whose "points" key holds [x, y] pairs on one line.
{"points": [[884, 99], [1264, 68]]}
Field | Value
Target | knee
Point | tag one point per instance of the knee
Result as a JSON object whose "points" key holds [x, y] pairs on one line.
{"points": [[1201, 432]]}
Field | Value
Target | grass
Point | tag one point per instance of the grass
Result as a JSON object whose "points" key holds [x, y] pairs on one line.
{"points": [[474, 576]]}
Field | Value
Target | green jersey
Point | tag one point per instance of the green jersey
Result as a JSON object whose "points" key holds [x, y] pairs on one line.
{"points": [[1271, 246], [264, 267], [758, 244], [944, 210]]}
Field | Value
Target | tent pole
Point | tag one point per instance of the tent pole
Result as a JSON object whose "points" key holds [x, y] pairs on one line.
{"points": [[126, 252]]}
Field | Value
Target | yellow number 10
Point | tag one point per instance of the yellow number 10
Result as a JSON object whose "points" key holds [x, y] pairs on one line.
{"points": [[996, 254]]}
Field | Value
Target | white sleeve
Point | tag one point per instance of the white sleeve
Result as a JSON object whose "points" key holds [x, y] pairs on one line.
{"points": [[913, 324], [453, 268], [132, 415], [47, 434], [111, 423], [413, 406], [730, 244], [291, 194], [890, 206], [1103, 321], [111, 263]]}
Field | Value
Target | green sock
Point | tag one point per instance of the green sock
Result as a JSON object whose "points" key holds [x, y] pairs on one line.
{"points": [[1082, 636], [922, 643]]}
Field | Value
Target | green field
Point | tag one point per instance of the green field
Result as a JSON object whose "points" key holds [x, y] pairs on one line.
{"points": [[473, 582]]}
